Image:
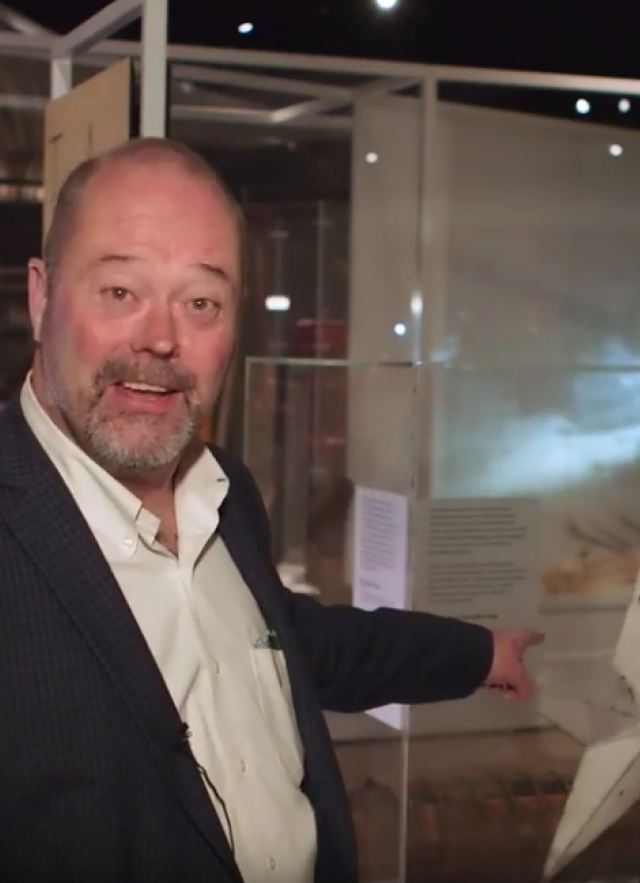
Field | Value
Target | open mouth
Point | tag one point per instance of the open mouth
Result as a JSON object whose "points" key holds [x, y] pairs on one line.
{"points": [[147, 397], [146, 389]]}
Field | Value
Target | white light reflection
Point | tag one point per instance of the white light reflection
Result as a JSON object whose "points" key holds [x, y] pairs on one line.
{"points": [[416, 305], [277, 303]]}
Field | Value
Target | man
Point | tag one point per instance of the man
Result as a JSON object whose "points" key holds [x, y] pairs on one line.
{"points": [[161, 692]]}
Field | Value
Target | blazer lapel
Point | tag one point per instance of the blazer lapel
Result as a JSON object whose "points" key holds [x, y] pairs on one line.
{"points": [[52, 531], [263, 582], [237, 537]]}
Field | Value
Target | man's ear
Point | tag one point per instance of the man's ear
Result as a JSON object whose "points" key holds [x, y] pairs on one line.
{"points": [[38, 294]]}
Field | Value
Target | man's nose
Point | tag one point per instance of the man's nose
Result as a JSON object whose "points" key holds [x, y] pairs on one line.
{"points": [[157, 333]]}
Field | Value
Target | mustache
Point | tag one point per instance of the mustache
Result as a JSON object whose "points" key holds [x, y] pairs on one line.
{"points": [[151, 373]]}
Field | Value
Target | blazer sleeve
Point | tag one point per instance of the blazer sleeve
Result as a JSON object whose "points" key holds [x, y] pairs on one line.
{"points": [[361, 660]]}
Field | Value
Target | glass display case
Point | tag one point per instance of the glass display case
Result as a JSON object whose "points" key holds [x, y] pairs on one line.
{"points": [[484, 401]]}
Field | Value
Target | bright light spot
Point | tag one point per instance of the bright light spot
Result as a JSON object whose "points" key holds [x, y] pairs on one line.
{"points": [[616, 149], [624, 105], [400, 329], [277, 303], [371, 158], [416, 305], [245, 28], [583, 106], [386, 4]]}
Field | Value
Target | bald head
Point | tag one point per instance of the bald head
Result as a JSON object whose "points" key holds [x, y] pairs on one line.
{"points": [[145, 153], [135, 306]]}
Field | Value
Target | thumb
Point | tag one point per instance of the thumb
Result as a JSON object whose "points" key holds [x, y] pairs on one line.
{"points": [[521, 683]]}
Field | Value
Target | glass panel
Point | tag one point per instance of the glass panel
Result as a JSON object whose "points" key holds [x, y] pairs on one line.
{"points": [[532, 450], [301, 446], [282, 142], [329, 386]]}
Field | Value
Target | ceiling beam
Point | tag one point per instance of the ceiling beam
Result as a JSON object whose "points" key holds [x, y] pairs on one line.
{"points": [[312, 108], [39, 46], [259, 82], [25, 45], [192, 112], [96, 29], [387, 86], [9, 101], [19, 23], [244, 116]]}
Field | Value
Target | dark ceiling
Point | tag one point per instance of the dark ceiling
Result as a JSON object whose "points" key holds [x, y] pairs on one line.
{"points": [[565, 36]]}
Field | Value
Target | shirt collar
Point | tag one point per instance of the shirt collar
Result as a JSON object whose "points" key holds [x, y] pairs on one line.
{"points": [[107, 505]]}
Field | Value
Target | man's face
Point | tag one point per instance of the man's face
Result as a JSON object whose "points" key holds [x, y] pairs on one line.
{"points": [[137, 326]]}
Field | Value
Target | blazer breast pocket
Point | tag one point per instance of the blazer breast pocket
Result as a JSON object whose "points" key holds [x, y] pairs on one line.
{"points": [[276, 705]]}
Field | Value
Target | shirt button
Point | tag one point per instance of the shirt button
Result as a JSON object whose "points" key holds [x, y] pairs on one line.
{"points": [[272, 864], [129, 544], [216, 668], [243, 766]]}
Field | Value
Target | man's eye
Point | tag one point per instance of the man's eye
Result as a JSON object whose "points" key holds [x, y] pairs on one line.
{"points": [[204, 304], [116, 292]]}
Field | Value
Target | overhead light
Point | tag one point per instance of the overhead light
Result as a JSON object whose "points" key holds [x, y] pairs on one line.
{"points": [[583, 106], [624, 105], [277, 303], [386, 4], [245, 28], [616, 149], [400, 329], [371, 158]]}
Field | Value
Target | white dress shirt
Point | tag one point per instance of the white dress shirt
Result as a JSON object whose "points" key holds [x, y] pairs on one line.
{"points": [[202, 626]]}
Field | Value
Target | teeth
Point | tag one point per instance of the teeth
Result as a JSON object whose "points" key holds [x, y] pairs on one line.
{"points": [[145, 387]]}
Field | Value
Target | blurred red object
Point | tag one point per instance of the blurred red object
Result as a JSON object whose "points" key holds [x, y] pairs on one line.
{"points": [[319, 339]]}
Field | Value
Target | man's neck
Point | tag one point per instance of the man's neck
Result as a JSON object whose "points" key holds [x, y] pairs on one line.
{"points": [[159, 500], [156, 492]]}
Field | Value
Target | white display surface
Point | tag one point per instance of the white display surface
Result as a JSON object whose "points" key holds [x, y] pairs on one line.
{"points": [[607, 783], [481, 560], [477, 560], [380, 564], [472, 559]]}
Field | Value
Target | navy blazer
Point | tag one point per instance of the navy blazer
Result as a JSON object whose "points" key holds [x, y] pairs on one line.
{"points": [[97, 784]]}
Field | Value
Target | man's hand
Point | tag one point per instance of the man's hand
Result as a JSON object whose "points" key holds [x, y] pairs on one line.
{"points": [[508, 672]]}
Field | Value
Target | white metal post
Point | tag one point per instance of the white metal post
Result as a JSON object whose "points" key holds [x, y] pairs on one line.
{"points": [[430, 289], [61, 76], [153, 107]]}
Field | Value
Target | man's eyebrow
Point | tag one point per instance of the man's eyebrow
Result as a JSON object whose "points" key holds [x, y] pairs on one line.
{"points": [[114, 259], [209, 269], [214, 270]]}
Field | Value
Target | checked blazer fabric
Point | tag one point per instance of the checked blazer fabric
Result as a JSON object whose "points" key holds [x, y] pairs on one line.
{"points": [[97, 782]]}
